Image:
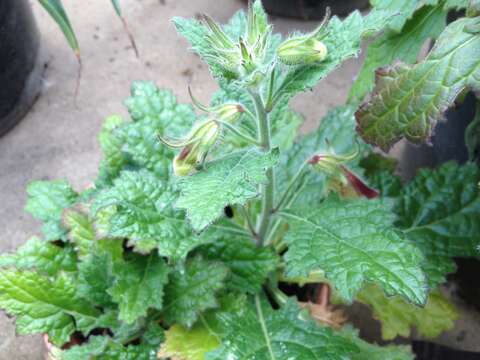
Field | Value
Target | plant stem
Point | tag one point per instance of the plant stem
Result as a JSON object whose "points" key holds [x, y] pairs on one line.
{"points": [[267, 189], [290, 187], [247, 217]]}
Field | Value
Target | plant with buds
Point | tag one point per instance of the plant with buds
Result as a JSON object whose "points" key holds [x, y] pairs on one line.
{"points": [[190, 259], [304, 49]]}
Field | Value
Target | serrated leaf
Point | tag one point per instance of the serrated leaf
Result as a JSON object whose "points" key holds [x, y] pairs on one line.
{"points": [[231, 180], [375, 352], [135, 144], [249, 265], [144, 214], [192, 290], [282, 334], [408, 101], [106, 348], [113, 159], [188, 344], [398, 317], [42, 256], [95, 346], [354, 242], [95, 271], [154, 112], [46, 202], [427, 23], [42, 305], [439, 211], [138, 285], [82, 232]]}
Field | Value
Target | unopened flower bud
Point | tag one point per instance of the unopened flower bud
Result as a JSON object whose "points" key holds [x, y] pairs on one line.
{"points": [[228, 112], [195, 147], [340, 178], [302, 51]]}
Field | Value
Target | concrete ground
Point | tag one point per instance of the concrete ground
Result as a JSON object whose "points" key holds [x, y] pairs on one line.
{"points": [[58, 139]]}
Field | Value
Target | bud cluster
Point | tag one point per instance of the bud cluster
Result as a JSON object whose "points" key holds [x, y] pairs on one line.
{"points": [[240, 57]]}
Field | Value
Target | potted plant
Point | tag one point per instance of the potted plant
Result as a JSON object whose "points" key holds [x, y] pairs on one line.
{"points": [[312, 9], [20, 64], [227, 236], [21, 61]]}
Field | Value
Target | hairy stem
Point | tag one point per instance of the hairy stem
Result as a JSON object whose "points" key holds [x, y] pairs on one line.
{"points": [[267, 189]]}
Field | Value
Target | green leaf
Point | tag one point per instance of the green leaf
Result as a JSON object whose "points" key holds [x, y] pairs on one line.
{"points": [[106, 348], [46, 202], [197, 35], [144, 214], [45, 257], [427, 23], [264, 333], [439, 211], [387, 184], [231, 180], [249, 265], [375, 352], [188, 344], [398, 317], [138, 285], [81, 233], [400, 9], [57, 12], [354, 242], [408, 101], [135, 144], [113, 159], [192, 290], [95, 346], [95, 271], [342, 39], [45, 306]]}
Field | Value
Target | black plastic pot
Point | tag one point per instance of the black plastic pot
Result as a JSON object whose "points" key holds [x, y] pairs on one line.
{"points": [[20, 64], [312, 9]]}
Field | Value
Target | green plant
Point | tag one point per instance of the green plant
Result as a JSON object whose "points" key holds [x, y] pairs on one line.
{"points": [[186, 255], [57, 12]]}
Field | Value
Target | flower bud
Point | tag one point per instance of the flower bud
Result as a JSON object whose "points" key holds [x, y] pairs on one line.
{"points": [[340, 178], [197, 145], [229, 112], [302, 51]]}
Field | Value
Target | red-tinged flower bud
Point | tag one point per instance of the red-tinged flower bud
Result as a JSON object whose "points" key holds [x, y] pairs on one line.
{"points": [[359, 185]]}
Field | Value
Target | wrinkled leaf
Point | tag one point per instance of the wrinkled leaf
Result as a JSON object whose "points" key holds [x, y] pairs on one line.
{"points": [[231, 180], [46, 202], [398, 317], [354, 242], [439, 212], [192, 290], [409, 100]]}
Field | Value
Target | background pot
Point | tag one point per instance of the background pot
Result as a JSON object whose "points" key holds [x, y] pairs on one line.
{"points": [[312, 9], [20, 64]]}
